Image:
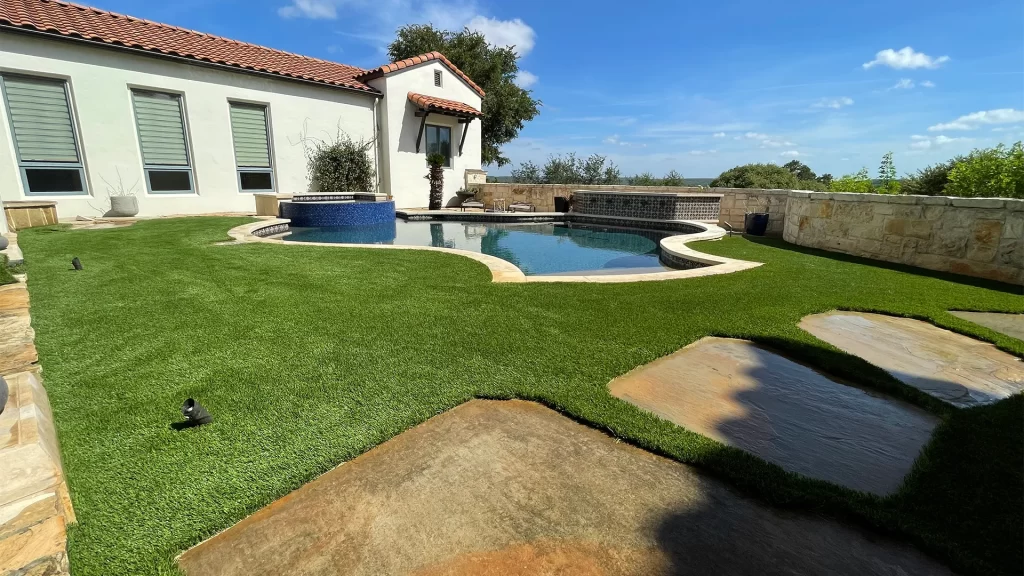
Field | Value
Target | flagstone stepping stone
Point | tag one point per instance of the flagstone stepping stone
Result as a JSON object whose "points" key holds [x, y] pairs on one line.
{"points": [[1010, 324], [952, 367], [514, 488], [746, 396]]}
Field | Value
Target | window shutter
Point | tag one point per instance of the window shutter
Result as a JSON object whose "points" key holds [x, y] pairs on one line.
{"points": [[161, 130], [249, 132], [40, 119]]}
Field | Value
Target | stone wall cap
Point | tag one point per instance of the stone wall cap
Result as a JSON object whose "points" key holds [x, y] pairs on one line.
{"points": [[1015, 205], [29, 203], [979, 202], [934, 200]]}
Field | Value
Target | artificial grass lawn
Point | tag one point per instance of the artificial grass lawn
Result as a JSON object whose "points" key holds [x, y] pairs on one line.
{"points": [[309, 356]]}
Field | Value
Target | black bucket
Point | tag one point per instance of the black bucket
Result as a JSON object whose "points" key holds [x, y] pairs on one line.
{"points": [[756, 223]]}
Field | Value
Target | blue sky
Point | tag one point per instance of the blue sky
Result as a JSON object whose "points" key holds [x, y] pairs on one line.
{"points": [[699, 87]]}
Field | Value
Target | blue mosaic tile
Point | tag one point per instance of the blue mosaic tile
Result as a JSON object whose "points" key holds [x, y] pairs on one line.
{"points": [[313, 214]]}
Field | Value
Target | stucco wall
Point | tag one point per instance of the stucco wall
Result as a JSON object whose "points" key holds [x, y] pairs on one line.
{"points": [[982, 237], [404, 178], [100, 81]]}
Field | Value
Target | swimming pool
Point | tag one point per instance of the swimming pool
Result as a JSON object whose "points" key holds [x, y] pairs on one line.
{"points": [[536, 248]]}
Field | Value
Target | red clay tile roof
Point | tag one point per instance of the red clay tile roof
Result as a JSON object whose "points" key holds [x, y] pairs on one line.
{"points": [[93, 24], [441, 105], [402, 64]]}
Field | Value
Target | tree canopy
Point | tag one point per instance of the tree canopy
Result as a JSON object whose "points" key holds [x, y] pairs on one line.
{"points": [[506, 107], [766, 176]]}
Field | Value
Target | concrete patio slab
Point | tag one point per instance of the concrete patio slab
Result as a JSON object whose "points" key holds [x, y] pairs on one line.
{"points": [[745, 396], [1010, 324], [952, 367], [513, 488]]}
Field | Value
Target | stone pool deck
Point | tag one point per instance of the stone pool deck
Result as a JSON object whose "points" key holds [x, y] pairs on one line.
{"points": [[35, 505], [513, 488]]}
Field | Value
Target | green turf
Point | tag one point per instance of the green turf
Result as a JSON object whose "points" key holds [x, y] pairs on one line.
{"points": [[308, 356]]}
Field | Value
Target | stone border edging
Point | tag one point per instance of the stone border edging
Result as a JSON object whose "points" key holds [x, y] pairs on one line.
{"points": [[503, 271]]}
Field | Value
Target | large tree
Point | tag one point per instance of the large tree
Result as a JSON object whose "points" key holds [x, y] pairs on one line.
{"points": [[506, 106]]}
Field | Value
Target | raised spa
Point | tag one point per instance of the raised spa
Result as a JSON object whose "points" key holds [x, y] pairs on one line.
{"points": [[338, 209]]}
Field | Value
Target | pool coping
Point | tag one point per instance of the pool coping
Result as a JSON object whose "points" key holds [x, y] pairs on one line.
{"points": [[503, 271]]}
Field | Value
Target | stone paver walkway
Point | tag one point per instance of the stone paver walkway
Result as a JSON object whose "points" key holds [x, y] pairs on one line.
{"points": [[748, 397], [952, 367], [513, 488], [1010, 324]]}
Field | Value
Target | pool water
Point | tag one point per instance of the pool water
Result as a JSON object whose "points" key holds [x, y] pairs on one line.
{"points": [[541, 248]]}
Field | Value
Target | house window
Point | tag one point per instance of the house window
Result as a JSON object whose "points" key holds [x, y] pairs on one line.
{"points": [[439, 141], [249, 130], [437, 78], [44, 135], [164, 142]]}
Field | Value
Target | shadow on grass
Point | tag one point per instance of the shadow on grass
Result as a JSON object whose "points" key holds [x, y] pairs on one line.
{"points": [[774, 242]]}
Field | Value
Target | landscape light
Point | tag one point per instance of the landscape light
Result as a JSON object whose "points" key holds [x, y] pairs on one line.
{"points": [[194, 413], [76, 263]]}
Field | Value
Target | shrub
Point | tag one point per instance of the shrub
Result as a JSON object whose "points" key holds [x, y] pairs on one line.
{"points": [[527, 173], [859, 182], [757, 176], [997, 172], [930, 181], [643, 179], [342, 165], [569, 169], [673, 178]]}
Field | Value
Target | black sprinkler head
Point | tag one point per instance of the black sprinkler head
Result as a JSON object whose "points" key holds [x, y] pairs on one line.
{"points": [[194, 413], [76, 263]]}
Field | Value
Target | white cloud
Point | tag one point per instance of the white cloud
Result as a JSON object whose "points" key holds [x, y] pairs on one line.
{"points": [[834, 103], [977, 119], [512, 33], [376, 20], [525, 79], [765, 140], [905, 58], [925, 143], [718, 135], [614, 140], [792, 153], [702, 152], [928, 84], [314, 9], [903, 84]]}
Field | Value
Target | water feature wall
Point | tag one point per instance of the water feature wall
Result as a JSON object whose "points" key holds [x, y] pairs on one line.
{"points": [[652, 206]]}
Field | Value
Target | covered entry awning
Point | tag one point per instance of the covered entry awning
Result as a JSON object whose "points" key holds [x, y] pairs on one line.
{"points": [[427, 105]]}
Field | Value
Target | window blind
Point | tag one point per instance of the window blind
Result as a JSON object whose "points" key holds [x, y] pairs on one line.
{"points": [[40, 119], [161, 129], [249, 132]]}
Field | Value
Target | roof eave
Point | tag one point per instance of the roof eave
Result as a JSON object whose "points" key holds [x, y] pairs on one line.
{"points": [[7, 27]]}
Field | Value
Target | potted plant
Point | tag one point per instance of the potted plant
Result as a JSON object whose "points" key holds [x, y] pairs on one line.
{"points": [[123, 203], [436, 178]]}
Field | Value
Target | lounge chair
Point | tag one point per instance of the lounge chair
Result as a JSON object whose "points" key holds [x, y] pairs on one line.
{"points": [[521, 207]]}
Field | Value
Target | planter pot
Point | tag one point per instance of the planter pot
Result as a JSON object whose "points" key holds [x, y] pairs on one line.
{"points": [[756, 223], [123, 206]]}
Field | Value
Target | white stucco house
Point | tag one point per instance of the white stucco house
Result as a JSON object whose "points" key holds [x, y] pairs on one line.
{"points": [[197, 123]]}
